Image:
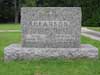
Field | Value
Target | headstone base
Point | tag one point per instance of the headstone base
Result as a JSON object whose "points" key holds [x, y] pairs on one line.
{"points": [[16, 52]]}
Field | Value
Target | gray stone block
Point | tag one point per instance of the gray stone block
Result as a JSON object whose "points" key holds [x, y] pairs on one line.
{"points": [[50, 32], [51, 27], [16, 52]]}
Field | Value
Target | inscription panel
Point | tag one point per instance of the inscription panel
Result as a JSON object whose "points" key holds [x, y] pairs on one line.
{"points": [[51, 27]]}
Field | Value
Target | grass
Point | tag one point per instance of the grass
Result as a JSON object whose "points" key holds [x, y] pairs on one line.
{"points": [[94, 28], [8, 38], [10, 27], [47, 66]]}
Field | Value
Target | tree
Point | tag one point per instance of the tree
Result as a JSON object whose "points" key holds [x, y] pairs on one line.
{"points": [[17, 10], [6, 11], [10, 9]]}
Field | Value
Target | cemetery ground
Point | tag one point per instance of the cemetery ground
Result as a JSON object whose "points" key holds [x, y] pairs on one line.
{"points": [[94, 28], [45, 66], [10, 27]]}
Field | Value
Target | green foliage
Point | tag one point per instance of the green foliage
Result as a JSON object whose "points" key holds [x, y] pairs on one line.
{"points": [[28, 3], [95, 18], [6, 11], [90, 8]]}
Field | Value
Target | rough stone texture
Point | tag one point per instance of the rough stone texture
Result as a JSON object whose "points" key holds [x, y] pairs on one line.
{"points": [[52, 33], [15, 51]]}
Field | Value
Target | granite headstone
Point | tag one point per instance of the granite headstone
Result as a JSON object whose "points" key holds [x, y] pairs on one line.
{"points": [[50, 32], [48, 27]]}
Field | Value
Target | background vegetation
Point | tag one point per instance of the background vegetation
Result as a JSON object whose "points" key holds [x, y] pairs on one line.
{"points": [[10, 9]]}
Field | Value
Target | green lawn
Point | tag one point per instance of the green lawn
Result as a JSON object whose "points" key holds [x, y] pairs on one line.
{"points": [[47, 66], [51, 67], [10, 27], [94, 28]]}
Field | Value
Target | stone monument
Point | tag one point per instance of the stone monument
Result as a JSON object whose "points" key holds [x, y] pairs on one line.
{"points": [[50, 32]]}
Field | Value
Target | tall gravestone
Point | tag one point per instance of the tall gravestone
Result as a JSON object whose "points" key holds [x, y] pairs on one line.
{"points": [[50, 32]]}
